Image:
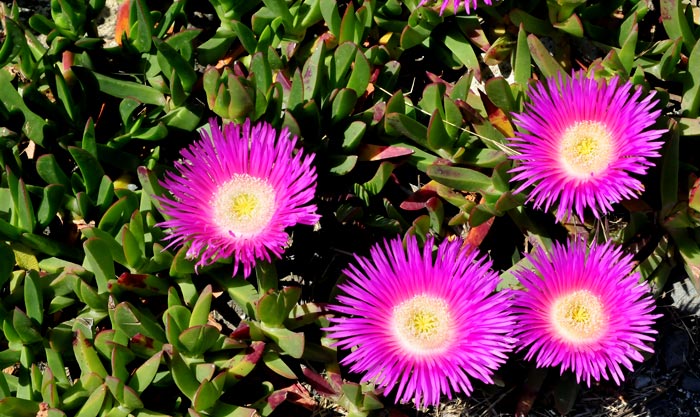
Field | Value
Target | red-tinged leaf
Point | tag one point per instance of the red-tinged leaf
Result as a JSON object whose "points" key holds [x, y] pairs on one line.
{"points": [[319, 383], [242, 332], [377, 152], [478, 38], [298, 395], [275, 399], [243, 363], [478, 233], [418, 200], [499, 50], [434, 78], [694, 195], [130, 280], [144, 345], [122, 25], [497, 117]]}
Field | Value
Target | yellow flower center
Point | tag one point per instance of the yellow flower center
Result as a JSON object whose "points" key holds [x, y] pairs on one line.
{"points": [[422, 324], [244, 205], [586, 149], [579, 317]]}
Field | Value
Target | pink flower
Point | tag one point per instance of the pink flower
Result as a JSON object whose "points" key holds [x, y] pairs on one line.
{"points": [[468, 4], [422, 325], [581, 143], [584, 310], [236, 191]]}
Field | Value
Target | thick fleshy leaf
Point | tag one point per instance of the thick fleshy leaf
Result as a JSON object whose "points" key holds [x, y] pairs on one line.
{"points": [[18, 407], [676, 23], [182, 375], [142, 377], [98, 260], [200, 311], [94, 403], [132, 322], [244, 362], [463, 179], [86, 356], [274, 307], [545, 62], [291, 343], [24, 327], [198, 339]]}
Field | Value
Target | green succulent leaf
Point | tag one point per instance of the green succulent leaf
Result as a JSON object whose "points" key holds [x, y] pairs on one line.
{"points": [[33, 297], [98, 260], [545, 62], [289, 342], [86, 356], [244, 362], [182, 375], [94, 403], [274, 307], [208, 393], [132, 322], [273, 361], [143, 376], [463, 179], [199, 339], [201, 309], [675, 22], [129, 89], [18, 407]]}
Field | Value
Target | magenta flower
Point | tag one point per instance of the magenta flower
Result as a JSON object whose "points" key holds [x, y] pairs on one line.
{"points": [[422, 325], [236, 191], [581, 141], [584, 310], [468, 4]]}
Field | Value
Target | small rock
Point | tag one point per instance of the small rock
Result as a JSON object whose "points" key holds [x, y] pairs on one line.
{"points": [[685, 297], [675, 349], [642, 381], [691, 383]]}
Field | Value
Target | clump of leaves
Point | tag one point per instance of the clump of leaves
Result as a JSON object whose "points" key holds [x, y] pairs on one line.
{"points": [[408, 112]]}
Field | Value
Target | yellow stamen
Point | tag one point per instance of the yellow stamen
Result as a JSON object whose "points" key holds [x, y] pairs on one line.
{"points": [[579, 317], [422, 323], [244, 205], [586, 149]]}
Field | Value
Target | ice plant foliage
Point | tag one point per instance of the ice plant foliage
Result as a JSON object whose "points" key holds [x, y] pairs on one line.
{"points": [[236, 191], [468, 4], [581, 142], [422, 326], [584, 310]]}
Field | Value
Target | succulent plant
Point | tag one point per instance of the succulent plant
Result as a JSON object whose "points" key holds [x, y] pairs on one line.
{"points": [[409, 113]]}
